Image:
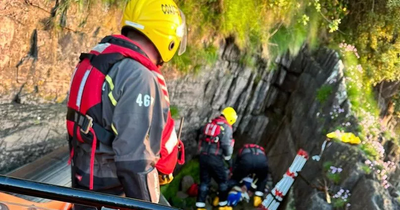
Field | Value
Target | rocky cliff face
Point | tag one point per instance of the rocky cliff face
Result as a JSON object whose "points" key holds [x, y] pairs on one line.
{"points": [[285, 106], [28, 132], [280, 110], [40, 43]]}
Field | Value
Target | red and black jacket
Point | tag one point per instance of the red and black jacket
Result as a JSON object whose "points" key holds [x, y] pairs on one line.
{"points": [[108, 136]]}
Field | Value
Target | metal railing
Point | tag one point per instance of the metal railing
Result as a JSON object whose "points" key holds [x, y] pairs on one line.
{"points": [[77, 196]]}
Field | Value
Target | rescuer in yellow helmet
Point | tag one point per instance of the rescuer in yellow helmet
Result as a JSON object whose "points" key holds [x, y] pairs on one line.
{"points": [[216, 146], [121, 134]]}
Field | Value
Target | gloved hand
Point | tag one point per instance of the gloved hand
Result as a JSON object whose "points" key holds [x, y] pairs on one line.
{"points": [[245, 197], [234, 197], [257, 201], [165, 179]]}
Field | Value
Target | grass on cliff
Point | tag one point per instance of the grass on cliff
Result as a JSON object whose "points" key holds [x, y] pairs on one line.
{"points": [[269, 28], [262, 28], [323, 93], [359, 88], [362, 99], [170, 191]]}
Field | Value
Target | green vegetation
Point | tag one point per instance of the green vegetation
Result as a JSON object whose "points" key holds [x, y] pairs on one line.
{"points": [[270, 28], [339, 203], [370, 151], [366, 169], [359, 89], [335, 178], [331, 175], [373, 28], [194, 58], [169, 191], [361, 96], [83, 3], [323, 93], [326, 165], [265, 28], [174, 111]]}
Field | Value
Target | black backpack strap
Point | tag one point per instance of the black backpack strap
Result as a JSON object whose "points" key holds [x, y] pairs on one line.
{"points": [[85, 122], [123, 43], [86, 55]]}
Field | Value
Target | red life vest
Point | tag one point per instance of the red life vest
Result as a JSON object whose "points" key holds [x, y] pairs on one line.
{"points": [[84, 104], [170, 155], [212, 132]]}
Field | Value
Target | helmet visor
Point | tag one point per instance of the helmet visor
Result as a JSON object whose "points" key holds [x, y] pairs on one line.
{"points": [[181, 32]]}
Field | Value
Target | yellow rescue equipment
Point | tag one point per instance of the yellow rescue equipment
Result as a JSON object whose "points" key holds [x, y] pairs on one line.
{"points": [[344, 137]]}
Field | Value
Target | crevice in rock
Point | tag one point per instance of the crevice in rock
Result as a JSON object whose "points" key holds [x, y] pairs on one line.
{"points": [[33, 52], [36, 6], [17, 97], [244, 91], [280, 65], [20, 62], [96, 32], [53, 11], [63, 18], [231, 89]]}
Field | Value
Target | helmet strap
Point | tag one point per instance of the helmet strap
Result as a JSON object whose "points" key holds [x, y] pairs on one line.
{"points": [[159, 63]]}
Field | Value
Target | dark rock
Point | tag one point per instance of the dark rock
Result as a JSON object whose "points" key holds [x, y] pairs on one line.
{"points": [[286, 61], [257, 128], [311, 67], [259, 102], [280, 77], [387, 89], [351, 175], [280, 103], [392, 152], [296, 65], [186, 182], [316, 202], [369, 195], [290, 83], [271, 96], [181, 195], [231, 53], [238, 86], [29, 132], [281, 154]]}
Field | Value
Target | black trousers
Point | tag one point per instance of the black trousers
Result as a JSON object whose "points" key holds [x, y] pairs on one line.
{"points": [[247, 164], [212, 166]]}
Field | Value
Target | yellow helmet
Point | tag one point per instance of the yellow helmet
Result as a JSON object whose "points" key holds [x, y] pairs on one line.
{"points": [[230, 115], [161, 21]]}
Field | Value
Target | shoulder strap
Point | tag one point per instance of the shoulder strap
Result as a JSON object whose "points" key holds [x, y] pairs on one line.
{"points": [[123, 43], [112, 49]]}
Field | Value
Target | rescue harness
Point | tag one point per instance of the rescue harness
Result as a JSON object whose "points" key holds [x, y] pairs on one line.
{"points": [[85, 98], [251, 148], [212, 132]]}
